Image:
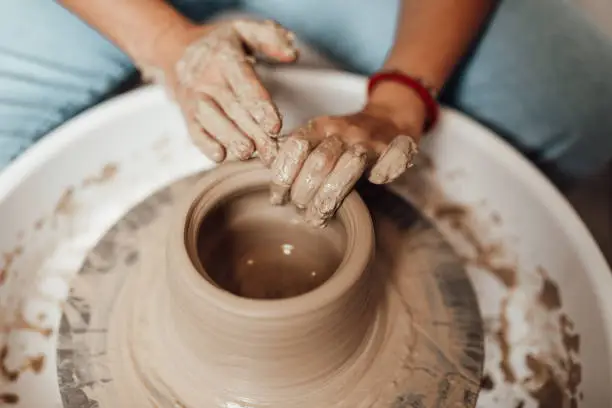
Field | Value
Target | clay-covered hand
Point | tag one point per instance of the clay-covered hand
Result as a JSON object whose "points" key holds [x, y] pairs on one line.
{"points": [[227, 110], [318, 165]]}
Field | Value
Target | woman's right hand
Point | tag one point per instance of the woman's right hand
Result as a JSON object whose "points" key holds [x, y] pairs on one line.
{"points": [[210, 75]]}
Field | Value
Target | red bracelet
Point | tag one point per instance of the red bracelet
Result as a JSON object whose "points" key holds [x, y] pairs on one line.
{"points": [[431, 105]]}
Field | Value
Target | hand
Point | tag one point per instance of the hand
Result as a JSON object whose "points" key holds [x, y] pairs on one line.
{"points": [[318, 165], [227, 110]]}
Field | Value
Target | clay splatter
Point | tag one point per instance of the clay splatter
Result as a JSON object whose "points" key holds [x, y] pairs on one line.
{"points": [[458, 217], [448, 210], [423, 188], [549, 296], [487, 383], [9, 398], [20, 323], [9, 375], [35, 364], [9, 259], [65, 205], [571, 341], [504, 346], [109, 171]]}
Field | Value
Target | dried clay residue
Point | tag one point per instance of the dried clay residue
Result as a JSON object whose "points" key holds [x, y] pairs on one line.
{"points": [[553, 394], [22, 324], [108, 173], [549, 371], [553, 372], [9, 398], [9, 259], [487, 383], [549, 297], [504, 347], [34, 364], [66, 205], [458, 218]]}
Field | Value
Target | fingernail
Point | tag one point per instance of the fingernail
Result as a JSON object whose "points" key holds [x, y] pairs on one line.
{"points": [[278, 194], [377, 177], [267, 152], [267, 118], [217, 156], [242, 150]]}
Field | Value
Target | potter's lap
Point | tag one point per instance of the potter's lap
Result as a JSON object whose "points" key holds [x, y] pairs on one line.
{"points": [[51, 66], [539, 76]]}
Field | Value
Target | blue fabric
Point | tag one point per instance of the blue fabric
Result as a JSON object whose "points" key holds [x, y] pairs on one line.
{"points": [[540, 74]]}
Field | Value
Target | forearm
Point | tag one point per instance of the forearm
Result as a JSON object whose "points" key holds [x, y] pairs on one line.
{"points": [[143, 29], [431, 38], [433, 35]]}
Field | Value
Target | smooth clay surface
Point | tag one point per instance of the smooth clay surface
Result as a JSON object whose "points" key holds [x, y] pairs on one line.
{"points": [[406, 332], [258, 251]]}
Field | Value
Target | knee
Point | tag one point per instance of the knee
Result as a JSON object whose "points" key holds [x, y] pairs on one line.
{"points": [[540, 77], [50, 69]]}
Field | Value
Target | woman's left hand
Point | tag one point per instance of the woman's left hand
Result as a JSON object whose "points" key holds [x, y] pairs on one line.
{"points": [[318, 165]]}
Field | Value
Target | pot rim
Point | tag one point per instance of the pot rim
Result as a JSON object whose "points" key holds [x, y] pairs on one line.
{"points": [[353, 214]]}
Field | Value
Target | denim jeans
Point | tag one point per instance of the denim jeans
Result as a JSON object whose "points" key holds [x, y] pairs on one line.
{"points": [[540, 74]]}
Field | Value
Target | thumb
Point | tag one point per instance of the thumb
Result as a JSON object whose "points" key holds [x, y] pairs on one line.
{"points": [[268, 38]]}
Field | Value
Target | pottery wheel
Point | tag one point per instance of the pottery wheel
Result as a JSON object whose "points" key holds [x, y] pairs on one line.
{"points": [[443, 363]]}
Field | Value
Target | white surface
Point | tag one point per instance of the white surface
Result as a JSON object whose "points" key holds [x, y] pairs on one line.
{"points": [[142, 134]]}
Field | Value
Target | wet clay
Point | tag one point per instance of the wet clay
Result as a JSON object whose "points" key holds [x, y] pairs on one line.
{"points": [[317, 170], [310, 349], [258, 251], [229, 113], [180, 337]]}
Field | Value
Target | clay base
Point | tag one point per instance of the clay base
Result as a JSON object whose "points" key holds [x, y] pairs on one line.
{"points": [[430, 353]]}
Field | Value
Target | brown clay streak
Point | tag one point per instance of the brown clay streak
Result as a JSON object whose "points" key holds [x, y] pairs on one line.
{"points": [[9, 259], [109, 171], [36, 364], [456, 215], [20, 323], [502, 338], [65, 205], [9, 398], [549, 295]]}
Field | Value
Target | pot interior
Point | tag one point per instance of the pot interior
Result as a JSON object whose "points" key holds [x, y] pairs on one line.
{"points": [[255, 250]]}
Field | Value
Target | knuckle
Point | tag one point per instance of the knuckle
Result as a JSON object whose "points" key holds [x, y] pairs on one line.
{"points": [[298, 146], [328, 125], [357, 134], [319, 159]]}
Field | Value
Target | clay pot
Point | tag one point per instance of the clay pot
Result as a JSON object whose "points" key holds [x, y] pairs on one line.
{"points": [[280, 312], [249, 307]]}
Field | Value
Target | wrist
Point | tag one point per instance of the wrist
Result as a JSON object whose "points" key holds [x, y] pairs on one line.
{"points": [[168, 45], [402, 105]]}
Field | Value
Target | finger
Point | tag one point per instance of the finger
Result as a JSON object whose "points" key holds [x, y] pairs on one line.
{"points": [[215, 121], [292, 154], [396, 158], [205, 142], [249, 91], [315, 169], [266, 147], [199, 137], [268, 38], [337, 186]]}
